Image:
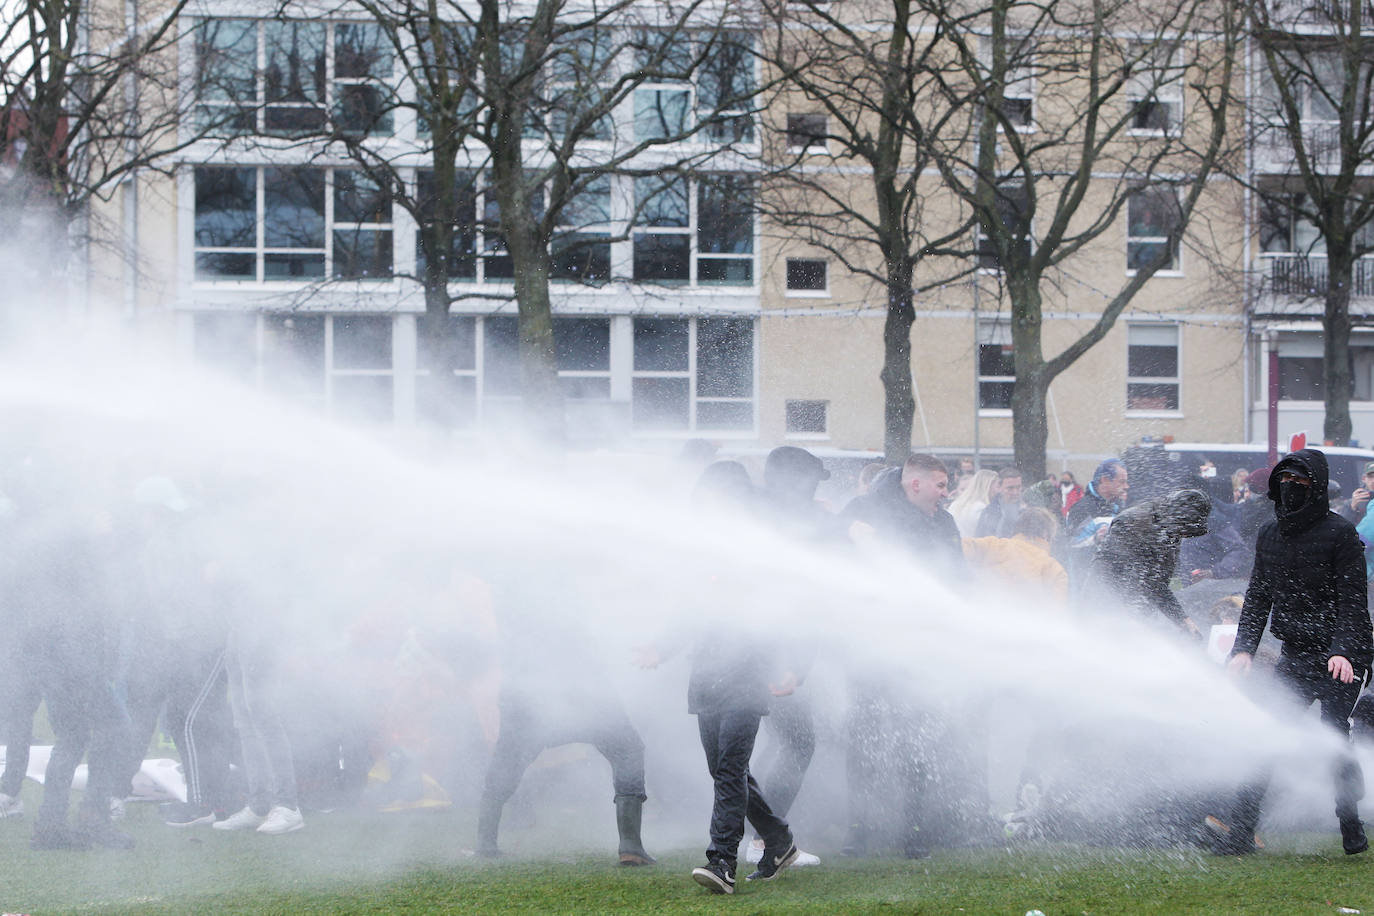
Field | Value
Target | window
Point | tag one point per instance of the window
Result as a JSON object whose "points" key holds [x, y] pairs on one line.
{"points": [[272, 224], [446, 371], [1018, 93], [1155, 87], [806, 276], [668, 106], [664, 249], [292, 77], [806, 132], [1152, 361], [581, 346], [693, 375], [726, 87], [360, 373], [996, 365], [806, 418], [581, 249], [573, 90], [1301, 368], [1152, 213], [461, 219], [1013, 214]]}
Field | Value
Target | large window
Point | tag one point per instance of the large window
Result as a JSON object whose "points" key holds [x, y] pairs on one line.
{"points": [[581, 249], [582, 350], [458, 210], [1013, 207], [293, 77], [1152, 367], [696, 83], [996, 365], [711, 243], [1155, 87], [1152, 214], [291, 224], [693, 375]]}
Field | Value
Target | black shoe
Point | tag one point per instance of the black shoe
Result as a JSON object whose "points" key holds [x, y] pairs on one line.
{"points": [[58, 836], [105, 834], [1353, 838], [185, 815], [717, 876], [775, 859]]}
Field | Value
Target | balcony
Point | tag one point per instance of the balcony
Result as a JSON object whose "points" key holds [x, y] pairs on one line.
{"points": [[1305, 277], [1310, 15]]}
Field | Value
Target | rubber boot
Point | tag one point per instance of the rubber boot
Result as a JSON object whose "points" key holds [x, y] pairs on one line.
{"points": [[488, 823], [629, 812]]}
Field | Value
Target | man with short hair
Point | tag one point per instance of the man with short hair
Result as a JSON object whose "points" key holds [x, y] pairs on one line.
{"points": [[1353, 510], [1105, 497], [999, 518], [1309, 588]]}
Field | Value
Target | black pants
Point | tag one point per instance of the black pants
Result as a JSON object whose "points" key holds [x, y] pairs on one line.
{"points": [[1305, 676], [20, 697], [727, 737], [791, 725], [523, 735]]}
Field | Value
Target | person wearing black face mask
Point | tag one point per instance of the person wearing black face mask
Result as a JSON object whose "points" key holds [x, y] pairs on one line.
{"points": [[1309, 587]]}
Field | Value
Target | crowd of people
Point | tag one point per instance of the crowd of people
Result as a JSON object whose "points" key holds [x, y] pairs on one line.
{"points": [[209, 670]]}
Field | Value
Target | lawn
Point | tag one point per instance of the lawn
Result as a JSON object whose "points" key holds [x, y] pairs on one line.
{"points": [[413, 863]]}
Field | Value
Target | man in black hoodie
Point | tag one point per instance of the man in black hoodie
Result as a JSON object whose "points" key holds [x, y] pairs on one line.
{"points": [[1309, 586]]}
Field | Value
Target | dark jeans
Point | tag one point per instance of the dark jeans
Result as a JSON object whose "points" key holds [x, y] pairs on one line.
{"points": [[884, 769], [1305, 676], [790, 724], [523, 736], [20, 697], [727, 737]]}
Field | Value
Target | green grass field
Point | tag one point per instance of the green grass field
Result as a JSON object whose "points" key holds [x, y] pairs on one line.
{"points": [[415, 863]]}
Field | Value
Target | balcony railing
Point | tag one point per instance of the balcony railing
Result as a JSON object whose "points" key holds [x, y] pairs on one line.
{"points": [[1314, 12], [1297, 275]]}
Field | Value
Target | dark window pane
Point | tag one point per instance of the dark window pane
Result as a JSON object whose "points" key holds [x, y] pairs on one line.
{"points": [[1152, 361], [500, 358], [805, 416], [293, 355], [456, 207], [581, 258], [726, 76], [1151, 397], [660, 113], [582, 344], [362, 342], [293, 120], [295, 61], [214, 265], [361, 51], [997, 359], [805, 131], [731, 415], [662, 258], [447, 400], [228, 342], [661, 202], [1300, 378], [995, 395], [364, 398], [1276, 224], [226, 57], [364, 254], [1020, 112], [1152, 211], [725, 271], [661, 345], [730, 129], [589, 207], [293, 208], [805, 275], [725, 215], [360, 199], [292, 266], [226, 208], [725, 358], [1140, 255], [362, 110], [585, 389], [447, 344], [660, 404]]}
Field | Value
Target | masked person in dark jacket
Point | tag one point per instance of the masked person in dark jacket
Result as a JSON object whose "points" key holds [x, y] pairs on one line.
{"points": [[1140, 550], [1309, 586]]}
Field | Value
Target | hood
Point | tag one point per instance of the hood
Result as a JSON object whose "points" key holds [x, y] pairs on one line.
{"points": [[1311, 463], [1184, 513]]}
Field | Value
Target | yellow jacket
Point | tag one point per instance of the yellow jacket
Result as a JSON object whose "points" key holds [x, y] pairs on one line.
{"points": [[1019, 561]]}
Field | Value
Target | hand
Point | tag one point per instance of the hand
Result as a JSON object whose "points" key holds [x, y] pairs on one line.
{"points": [[1239, 664], [1359, 498], [646, 657], [1340, 668], [785, 686]]}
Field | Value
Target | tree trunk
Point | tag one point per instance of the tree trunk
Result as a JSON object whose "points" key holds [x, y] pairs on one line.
{"points": [[542, 396], [1336, 376], [899, 404], [1030, 423]]}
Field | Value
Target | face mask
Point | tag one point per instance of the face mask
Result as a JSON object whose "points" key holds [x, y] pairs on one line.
{"points": [[1066, 488], [1293, 495], [1209, 472]]}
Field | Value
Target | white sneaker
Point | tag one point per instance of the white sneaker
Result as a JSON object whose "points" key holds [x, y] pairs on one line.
{"points": [[117, 811], [10, 806], [243, 819], [805, 859], [754, 854], [281, 819]]}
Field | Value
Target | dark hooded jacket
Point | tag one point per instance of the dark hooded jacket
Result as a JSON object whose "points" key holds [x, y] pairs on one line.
{"points": [[933, 539], [1308, 583], [1140, 550]]}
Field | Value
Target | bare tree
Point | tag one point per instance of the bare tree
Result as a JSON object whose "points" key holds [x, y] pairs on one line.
{"points": [[1081, 118], [1313, 131]]}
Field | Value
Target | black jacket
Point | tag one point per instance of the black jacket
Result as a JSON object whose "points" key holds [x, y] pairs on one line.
{"points": [[1091, 506], [933, 539], [1308, 583]]}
